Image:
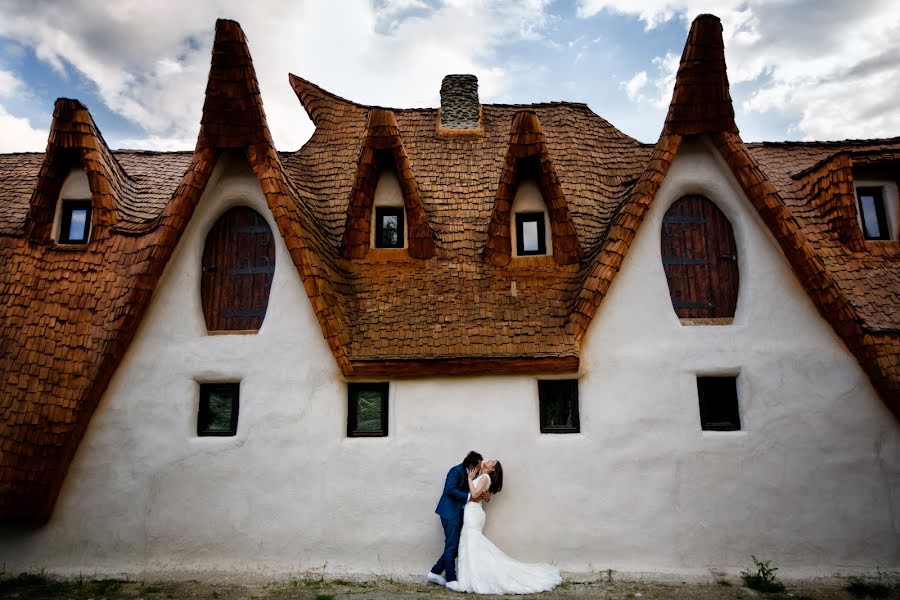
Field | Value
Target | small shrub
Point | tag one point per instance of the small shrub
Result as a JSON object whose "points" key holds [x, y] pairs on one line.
{"points": [[860, 588], [724, 583], [324, 597], [764, 579]]}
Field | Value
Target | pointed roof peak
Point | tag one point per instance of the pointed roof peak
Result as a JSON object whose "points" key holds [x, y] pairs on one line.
{"points": [[233, 115], [701, 101], [69, 104], [228, 30], [381, 117], [320, 104]]}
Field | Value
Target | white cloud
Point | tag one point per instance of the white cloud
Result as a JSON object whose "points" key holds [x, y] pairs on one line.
{"points": [[19, 135], [656, 91], [634, 86], [10, 84], [149, 60], [827, 66]]}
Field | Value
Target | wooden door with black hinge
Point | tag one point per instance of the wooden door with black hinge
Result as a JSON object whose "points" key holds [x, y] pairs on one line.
{"points": [[238, 266], [699, 256]]}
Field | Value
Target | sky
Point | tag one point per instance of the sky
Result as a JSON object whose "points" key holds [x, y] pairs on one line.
{"points": [[799, 70]]}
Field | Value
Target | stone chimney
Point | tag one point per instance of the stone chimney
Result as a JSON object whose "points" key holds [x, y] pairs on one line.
{"points": [[459, 102]]}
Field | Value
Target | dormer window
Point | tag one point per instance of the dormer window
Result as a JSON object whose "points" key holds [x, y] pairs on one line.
{"points": [[75, 222], [72, 223], [530, 234], [388, 227], [873, 213], [530, 222]]}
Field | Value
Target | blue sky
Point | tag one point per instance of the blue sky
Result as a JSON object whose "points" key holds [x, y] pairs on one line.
{"points": [[823, 69]]}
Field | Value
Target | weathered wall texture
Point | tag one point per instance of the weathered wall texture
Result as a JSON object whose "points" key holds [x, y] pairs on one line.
{"points": [[811, 483]]}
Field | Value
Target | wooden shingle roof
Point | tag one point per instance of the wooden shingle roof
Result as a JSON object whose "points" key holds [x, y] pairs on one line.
{"points": [[67, 316]]}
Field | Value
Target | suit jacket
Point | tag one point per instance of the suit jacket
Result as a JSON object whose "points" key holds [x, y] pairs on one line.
{"points": [[456, 494]]}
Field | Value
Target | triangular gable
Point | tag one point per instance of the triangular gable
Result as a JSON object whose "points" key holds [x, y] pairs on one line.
{"points": [[528, 150], [382, 140], [233, 118], [701, 104], [67, 317], [75, 142]]}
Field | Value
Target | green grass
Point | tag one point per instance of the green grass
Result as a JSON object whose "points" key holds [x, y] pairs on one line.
{"points": [[324, 597], [861, 588], [33, 583], [724, 583], [40, 585]]}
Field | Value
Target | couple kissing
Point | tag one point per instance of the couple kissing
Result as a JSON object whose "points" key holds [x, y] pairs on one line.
{"points": [[470, 561]]}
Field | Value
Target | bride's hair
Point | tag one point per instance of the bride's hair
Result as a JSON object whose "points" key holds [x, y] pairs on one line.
{"points": [[496, 479]]}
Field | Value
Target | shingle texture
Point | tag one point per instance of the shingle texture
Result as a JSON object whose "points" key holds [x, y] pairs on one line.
{"points": [[455, 301]]}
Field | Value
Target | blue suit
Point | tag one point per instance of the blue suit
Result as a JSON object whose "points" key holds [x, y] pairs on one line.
{"points": [[450, 508]]}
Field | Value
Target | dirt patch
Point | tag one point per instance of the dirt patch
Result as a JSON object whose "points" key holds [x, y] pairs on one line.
{"points": [[44, 587]]}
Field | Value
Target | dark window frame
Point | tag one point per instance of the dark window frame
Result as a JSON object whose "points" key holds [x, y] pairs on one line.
{"points": [[387, 211], [877, 192], [732, 414], [353, 389], [203, 411], [545, 391], [65, 221], [528, 217]]}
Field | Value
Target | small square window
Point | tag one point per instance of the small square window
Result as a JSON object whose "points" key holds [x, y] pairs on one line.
{"points": [[718, 403], [367, 414], [530, 234], [218, 414], [75, 222], [388, 227], [873, 213], [559, 405]]}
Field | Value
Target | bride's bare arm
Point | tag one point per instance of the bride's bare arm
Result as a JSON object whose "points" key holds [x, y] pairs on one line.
{"points": [[477, 490]]}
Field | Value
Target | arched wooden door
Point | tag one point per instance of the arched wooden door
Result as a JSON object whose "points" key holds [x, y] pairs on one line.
{"points": [[238, 265], [700, 259]]}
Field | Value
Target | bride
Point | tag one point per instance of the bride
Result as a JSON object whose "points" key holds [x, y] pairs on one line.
{"points": [[482, 567]]}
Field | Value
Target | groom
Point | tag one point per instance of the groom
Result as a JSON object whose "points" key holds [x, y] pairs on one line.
{"points": [[450, 509]]}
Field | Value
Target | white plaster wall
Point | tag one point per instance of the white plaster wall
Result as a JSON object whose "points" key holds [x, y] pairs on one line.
{"points": [[812, 482], [528, 198], [388, 193], [813, 478], [891, 195]]}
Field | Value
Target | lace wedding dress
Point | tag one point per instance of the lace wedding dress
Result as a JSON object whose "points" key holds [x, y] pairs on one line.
{"points": [[484, 569]]}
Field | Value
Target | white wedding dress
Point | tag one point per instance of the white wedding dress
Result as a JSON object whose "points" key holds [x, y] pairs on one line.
{"points": [[484, 569]]}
